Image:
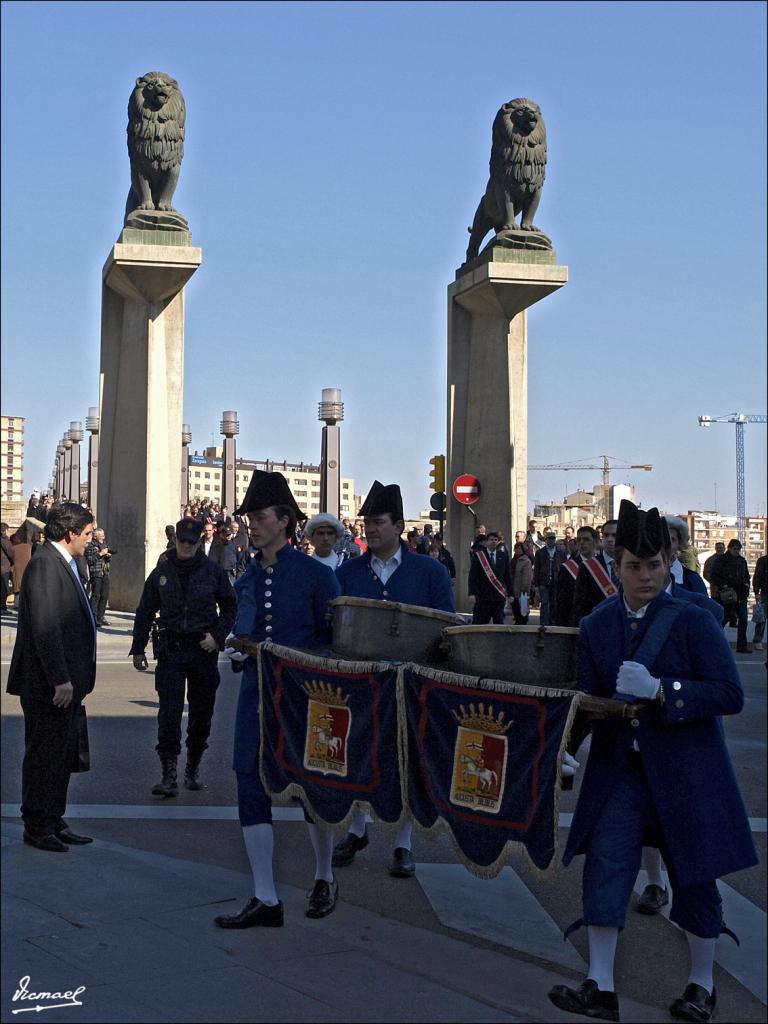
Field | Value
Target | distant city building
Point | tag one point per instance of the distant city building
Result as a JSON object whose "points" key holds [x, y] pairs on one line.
{"points": [[710, 528], [582, 508], [302, 477], [12, 457]]}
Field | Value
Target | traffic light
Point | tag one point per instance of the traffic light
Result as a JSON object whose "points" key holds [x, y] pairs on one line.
{"points": [[437, 473]]}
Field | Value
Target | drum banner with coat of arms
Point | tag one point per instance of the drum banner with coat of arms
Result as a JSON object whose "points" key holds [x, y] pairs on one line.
{"points": [[483, 762], [329, 733]]}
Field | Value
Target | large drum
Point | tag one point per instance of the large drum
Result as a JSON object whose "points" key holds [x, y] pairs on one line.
{"points": [[533, 655], [366, 630]]}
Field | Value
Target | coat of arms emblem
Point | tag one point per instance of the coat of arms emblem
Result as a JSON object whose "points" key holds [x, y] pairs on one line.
{"points": [[480, 758], [328, 724]]}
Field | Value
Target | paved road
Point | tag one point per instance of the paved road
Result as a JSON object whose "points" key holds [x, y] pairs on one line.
{"points": [[129, 917]]}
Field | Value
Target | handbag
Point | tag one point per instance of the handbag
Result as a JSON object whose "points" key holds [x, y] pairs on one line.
{"points": [[81, 752], [524, 604], [728, 595], [758, 612]]}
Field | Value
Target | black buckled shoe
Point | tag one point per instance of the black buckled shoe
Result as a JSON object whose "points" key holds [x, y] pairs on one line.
{"points": [[587, 1000], [50, 843], [402, 864], [653, 898], [695, 1004], [254, 914], [344, 852], [70, 838], [322, 899]]}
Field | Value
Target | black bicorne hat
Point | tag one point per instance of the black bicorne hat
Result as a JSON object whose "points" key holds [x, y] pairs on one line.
{"points": [[266, 490], [643, 534], [383, 499]]}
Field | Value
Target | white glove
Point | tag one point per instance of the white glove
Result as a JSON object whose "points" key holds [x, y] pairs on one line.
{"points": [[634, 680], [569, 766], [230, 652]]}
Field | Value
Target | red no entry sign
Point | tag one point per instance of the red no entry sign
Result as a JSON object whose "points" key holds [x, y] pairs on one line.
{"points": [[466, 489]]}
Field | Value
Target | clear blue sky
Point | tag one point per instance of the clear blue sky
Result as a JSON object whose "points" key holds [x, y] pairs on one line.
{"points": [[335, 155]]}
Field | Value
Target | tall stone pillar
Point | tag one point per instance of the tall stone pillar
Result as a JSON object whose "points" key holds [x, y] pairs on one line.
{"points": [[142, 367], [488, 390]]}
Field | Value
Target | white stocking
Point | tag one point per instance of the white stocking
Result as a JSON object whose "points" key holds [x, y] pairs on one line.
{"points": [[602, 952], [653, 866], [403, 837], [259, 844], [702, 954], [322, 844]]}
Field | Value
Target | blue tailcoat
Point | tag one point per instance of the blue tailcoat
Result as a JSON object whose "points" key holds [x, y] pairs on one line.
{"points": [[419, 580], [697, 598], [287, 605], [682, 745], [693, 582]]}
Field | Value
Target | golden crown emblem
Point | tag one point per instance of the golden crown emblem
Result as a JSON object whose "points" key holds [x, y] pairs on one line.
{"points": [[324, 693], [482, 720]]}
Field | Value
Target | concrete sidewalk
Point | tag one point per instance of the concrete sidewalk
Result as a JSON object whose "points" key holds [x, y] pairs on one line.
{"points": [[135, 929]]}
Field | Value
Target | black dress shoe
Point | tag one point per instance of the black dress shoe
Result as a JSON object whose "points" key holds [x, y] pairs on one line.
{"points": [[71, 839], [653, 898], [254, 913], [344, 852], [402, 864], [587, 1000], [322, 899], [694, 1004], [49, 842]]}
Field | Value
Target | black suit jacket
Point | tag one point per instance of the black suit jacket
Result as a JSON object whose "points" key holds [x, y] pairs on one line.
{"points": [[55, 638], [586, 595], [480, 585], [566, 587]]}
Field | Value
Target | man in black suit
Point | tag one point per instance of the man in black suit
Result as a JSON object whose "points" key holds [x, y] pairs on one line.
{"points": [[53, 668], [597, 579], [490, 581], [570, 570]]}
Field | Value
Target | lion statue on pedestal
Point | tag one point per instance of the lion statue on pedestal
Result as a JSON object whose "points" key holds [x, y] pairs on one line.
{"points": [[156, 116], [517, 166]]}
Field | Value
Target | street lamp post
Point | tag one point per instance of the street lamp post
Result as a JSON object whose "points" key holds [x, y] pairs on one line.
{"points": [[186, 440], [330, 412], [229, 427], [66, 480], [59, 469], [92, 426], [76, 436]]}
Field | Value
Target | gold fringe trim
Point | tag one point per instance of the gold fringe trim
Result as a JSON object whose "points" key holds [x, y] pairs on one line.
{"points": [[441, 826]]}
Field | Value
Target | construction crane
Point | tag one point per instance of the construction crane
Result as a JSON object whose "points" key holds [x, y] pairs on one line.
{"points": [[739, 418], [606, 465]]}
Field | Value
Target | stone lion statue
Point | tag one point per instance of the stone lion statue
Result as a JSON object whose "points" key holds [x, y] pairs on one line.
{"points": [[156, 116], [518, 160]]}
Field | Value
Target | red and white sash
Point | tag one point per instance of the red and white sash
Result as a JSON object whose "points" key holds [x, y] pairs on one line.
{"points": [[492, 577], [572, 567], [595, 569]]}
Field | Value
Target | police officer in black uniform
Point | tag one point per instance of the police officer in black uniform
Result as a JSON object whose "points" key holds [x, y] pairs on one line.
{"points": [[185, 589]]}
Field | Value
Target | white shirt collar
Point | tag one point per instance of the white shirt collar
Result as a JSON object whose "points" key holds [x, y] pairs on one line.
{"points": [[676, 569], [640, 611], [384, 569], [68, 558]]}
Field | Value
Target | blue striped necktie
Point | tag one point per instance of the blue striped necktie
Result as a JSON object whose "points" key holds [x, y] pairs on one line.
{"points": [[76, 574]]}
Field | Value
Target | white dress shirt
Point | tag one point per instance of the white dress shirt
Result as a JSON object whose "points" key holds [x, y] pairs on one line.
{"points": [[385, 569]]}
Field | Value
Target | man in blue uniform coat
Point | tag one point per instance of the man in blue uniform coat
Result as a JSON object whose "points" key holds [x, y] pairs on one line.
{"points": [[665, 773], [388, 571], [282, 596]]}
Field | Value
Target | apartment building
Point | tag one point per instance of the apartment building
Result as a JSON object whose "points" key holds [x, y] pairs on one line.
{"points": [[12, 458]]}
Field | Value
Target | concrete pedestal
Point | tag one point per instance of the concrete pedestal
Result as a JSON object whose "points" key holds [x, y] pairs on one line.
{"points": [[488, 392], [142, 384]]}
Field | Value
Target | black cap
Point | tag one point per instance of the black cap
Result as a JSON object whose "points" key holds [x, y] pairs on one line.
{"points": [[188, 529], [383, 499], [266, 490], [643, 534]]}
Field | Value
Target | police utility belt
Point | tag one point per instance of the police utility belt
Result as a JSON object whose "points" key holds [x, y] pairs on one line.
{"points": [[168, 641]]}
